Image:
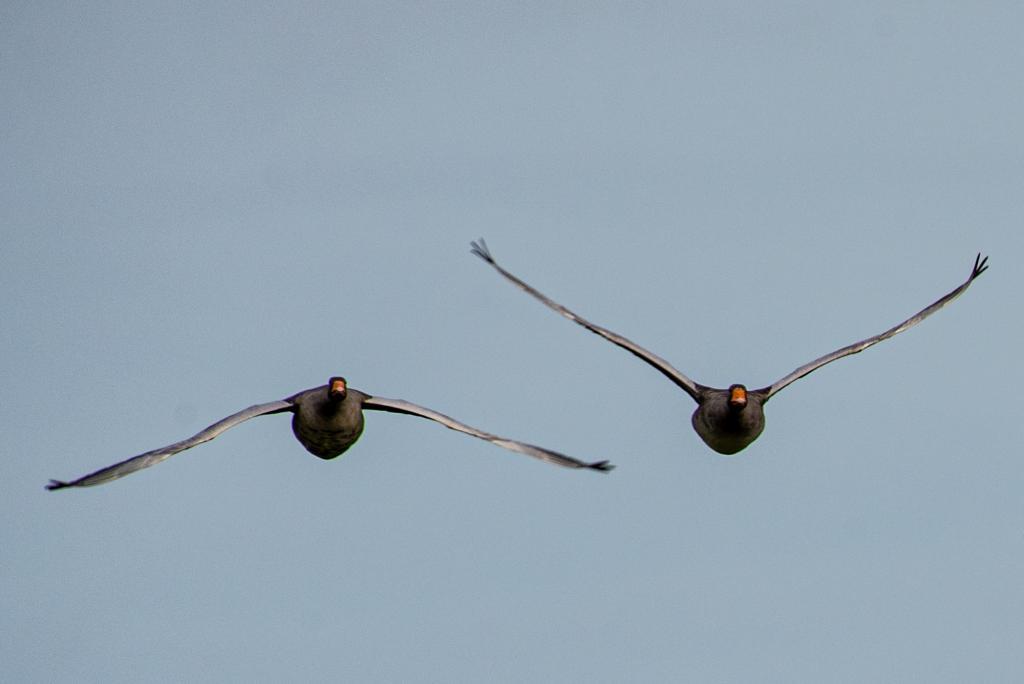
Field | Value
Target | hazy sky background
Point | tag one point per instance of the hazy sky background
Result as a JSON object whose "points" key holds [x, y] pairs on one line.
{"points": [[206, 206]]}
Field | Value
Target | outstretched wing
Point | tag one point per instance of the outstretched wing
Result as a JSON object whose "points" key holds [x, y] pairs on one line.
{"points": [[979, 268], [399, 406], [156, 455], [692, 388]]}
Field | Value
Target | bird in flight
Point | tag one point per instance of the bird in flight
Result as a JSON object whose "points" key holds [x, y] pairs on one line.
{"points": [[728, 420], [327, 420]]}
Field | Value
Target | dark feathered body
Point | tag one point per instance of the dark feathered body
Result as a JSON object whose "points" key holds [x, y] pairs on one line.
{"points": [[727, 428], [327, 427]]}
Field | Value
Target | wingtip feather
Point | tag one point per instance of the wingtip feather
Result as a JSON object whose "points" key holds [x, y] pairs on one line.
{"points": [[980, 266], [479, 248]]}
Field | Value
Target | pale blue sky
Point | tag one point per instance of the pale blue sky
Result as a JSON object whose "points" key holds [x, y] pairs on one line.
{"points": [[206, 206]]}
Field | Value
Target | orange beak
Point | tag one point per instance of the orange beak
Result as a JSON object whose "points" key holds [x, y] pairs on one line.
{"points": [[337, 386], [738, 396]]}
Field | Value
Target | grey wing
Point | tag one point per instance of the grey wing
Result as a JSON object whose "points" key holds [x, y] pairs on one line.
{"points": [[399, 406], [156, 455], [692, 388], [979, 268]]}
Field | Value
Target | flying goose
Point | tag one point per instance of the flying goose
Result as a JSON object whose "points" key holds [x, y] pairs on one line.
{"points": [[327, 420], [728, 420]]}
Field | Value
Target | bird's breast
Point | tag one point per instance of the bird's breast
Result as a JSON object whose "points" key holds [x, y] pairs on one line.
{"points": [[725, 431], [327, 435]]}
